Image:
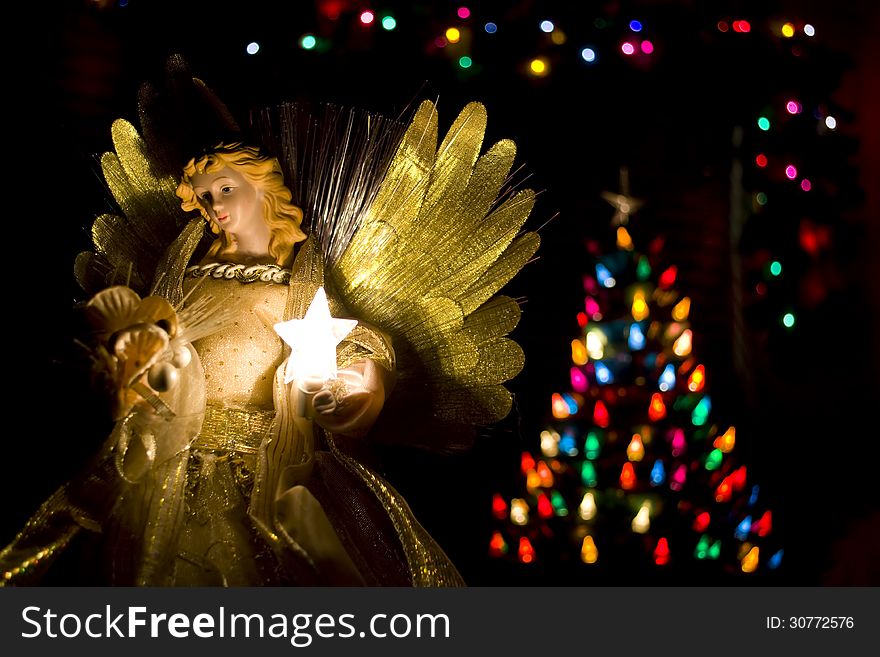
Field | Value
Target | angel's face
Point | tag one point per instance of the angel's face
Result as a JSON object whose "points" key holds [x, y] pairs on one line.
{"points": [[231, 202]]}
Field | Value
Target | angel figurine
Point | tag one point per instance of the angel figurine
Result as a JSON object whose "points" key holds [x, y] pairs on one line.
{"points": [[223, 468]]}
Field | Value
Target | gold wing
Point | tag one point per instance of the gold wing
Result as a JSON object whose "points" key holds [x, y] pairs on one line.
{"points": [[440, 239], [130, 247]]}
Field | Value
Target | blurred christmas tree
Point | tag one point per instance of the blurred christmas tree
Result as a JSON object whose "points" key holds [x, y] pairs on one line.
{"points": [[636, 479]]}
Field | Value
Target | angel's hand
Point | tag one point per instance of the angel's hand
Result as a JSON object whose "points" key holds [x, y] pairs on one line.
{"points": [[351, 404]]}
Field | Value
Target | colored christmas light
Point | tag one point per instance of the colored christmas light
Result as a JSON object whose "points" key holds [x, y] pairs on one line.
{"points": [[738, 478], [588, 474], [559, 407], [592, 445], [642, 521], [491, 28], [587, 508], [573, 405], [667, 378], [497, 546], [713, 460], [545, 474], [499, 507], [682, 346], [595, 342], [765, 525], [788, 30], [603, 275], [697, 379], [627, 48], [624, 240], [830, 123], [533, 481], [678, 478], [526, 552], [389, 23], [647, 47], [591, 306], [700, 414], [589, 553], [252, 48], [662, 555], [774, 561], [761, 160], [791, 172], [658, 473], [463, 12], [679, 444], [568, 444], [540, 67], [588, 55], [600, 415], [367, 17], [453, 35], [788, 320], [657, 409], [743, 529], [546, 26], [702, 549], [726, 441], [578, 380], [724, 491], [636, 339], [793, 107], [519, 512], [558, 502], [714, 551], [643, 269], [639, 306], [701, 522], [764, 123], [750, 561], [806, 185], [635, 26], [682, 309], [549, 443], [667, 278], [603, 374], [527, 462], [545, 509], [465, 61], [635, 451], [308, 42], [627, 476], [776, 268], [753, 498], [579, 352]]}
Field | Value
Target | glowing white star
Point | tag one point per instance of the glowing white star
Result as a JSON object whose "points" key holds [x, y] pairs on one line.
{"points": [[313, 341]]}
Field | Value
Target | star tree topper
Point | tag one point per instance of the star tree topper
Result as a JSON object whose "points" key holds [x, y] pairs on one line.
{"points": [[624, 204], [313, 341]]}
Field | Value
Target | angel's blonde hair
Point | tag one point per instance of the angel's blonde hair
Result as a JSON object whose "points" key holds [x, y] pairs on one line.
{"points": [[264, 173]]}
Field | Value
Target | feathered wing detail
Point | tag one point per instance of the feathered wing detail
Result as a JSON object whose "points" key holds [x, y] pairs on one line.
{"points": [[440, 239], [130, 246]]}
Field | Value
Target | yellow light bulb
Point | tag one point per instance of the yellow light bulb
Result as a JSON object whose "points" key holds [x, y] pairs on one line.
{"points": [[639, 306], [788, 30], [589, 552], [579, 352], [533, 480], [624, 241], [453, 35], [681, 310], [538, 66], [549, 443], [750, 561]]}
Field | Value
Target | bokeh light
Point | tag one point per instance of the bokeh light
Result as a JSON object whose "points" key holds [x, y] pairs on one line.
{"points": [[367, 17], [463, 12], [588, 55], [389, 23], [761, 160], [788, 320], [788, 30], [647, 47], [253, 48], [307, 42], [627, 48], [806, 185], [830, 122], [793, 107], [547, 26], [539, 66], [791, 172], [491, 28], [809, 30], [635, 26], [763, 123], [465, 62]]}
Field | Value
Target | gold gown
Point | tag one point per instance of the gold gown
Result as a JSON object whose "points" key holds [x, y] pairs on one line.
{"points": [[259, 496]]}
